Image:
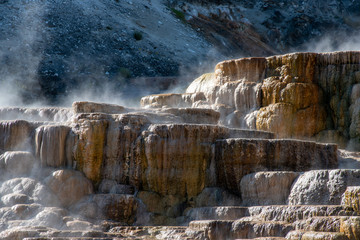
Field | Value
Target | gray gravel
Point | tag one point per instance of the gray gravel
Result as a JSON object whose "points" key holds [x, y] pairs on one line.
{"points": [[51, 48]]}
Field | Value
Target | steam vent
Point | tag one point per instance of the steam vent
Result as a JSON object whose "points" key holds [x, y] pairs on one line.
{"points": [[254, 150]]}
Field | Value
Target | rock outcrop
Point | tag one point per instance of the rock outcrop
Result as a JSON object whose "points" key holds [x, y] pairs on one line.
{"points": [[104, 170], [301, 95], [236, 158], [322, 187], [51, 145], [351, 198], [69, 186], [170, 164], [91, 107], [15, 135], [259, 188]]}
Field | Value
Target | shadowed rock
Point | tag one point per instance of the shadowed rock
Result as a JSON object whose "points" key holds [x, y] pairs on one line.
{"points": [[236, 158], [195, 115], [291, 214], [213, 229], [51, 145], [15, 135], [118, 207], [69, 186], [252, 229], [217, 213], [215, 196], [111, 186], [259, 188]]}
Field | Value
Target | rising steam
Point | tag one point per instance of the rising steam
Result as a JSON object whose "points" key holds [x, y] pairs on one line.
{"points": [[332, 42], [21, 53]]}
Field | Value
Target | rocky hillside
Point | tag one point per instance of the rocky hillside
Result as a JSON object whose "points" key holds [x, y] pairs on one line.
{"points": [[52, 49]]}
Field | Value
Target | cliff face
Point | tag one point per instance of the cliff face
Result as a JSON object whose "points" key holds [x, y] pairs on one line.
{"points": [[151, 152], [318, 88], [130, 149], [300, 95]]}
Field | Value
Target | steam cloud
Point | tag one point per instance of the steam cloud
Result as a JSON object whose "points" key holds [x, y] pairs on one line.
{"points": [[20, 54], [24, 50], [332, 42]]}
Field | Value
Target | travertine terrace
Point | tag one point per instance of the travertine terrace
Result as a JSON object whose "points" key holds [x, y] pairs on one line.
{"points": [[238, 156]]}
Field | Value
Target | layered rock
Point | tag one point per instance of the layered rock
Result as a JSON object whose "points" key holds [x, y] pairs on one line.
{"points": [[129, 149], [259, 188], [294, 213], [350, 227], [118, 207], [144, 155], [51, 145], [240, 229], [171, 100], [249, 69], [122, 153], [16, 135], [295, 235], [93, 107], [195, 115], [293, 101], [164, 150], [301, 95], [351, 198], [204, 84], [216, 196], [322, 187], [178, 160], [217, 213], [171, 167], [89, 149], [236, 158]]}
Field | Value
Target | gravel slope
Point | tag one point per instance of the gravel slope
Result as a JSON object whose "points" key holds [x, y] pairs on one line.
{"points": [[52, 49]]}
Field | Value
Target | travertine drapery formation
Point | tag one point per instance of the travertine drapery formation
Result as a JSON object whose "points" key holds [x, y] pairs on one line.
{"points": [[237, 157], [51, 145], [300, 95], [167, 158], [175, 164], [161, 167]]}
